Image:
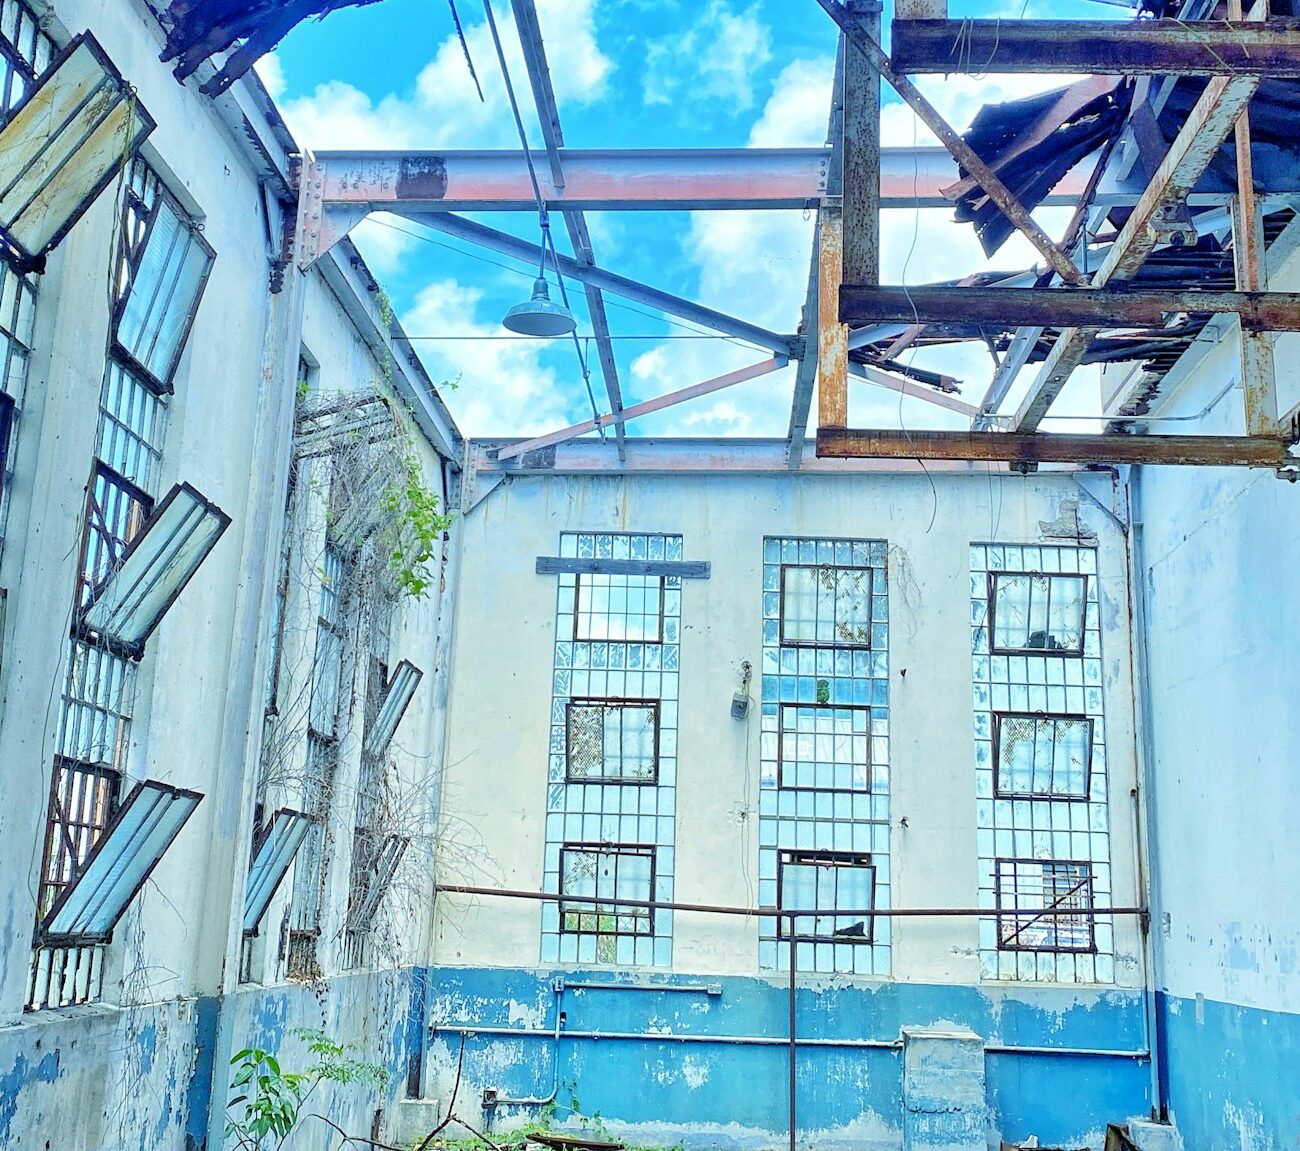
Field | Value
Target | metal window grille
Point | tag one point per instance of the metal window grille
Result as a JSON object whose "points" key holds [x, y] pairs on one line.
{"points": [[131, 426], [116, 510], [824, 748], [1040, 770], [1034, 611], [600, 872], [95, 710], [612, 741], [826, 882], [1026, 888], [824, 742], [17, 319], [1042, 755], [625, 608], [826, 606], [25, 52], [327, 664], [82, 801], [310, 867], [636, 664]]}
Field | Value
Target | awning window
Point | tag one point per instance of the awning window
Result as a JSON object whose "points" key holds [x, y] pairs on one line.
{"points": [[375, 885], [401, 688], [272, 855]]}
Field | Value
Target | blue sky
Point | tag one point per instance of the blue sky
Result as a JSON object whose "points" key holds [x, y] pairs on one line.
{"points": [[627, 73]]}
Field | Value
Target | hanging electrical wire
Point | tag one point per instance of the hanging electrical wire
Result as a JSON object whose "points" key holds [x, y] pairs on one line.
{"points": [[543, 217]]}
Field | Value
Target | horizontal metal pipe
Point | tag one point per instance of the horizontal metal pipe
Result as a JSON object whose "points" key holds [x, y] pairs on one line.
{"points": [[769, 1041], [613, 985], [768, 912]]}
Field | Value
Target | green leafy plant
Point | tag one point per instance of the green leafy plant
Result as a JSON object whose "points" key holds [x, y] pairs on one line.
{"points": [[267, 1102], [418, 527]]}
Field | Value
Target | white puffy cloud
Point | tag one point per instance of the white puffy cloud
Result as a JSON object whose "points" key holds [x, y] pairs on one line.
{"points": [[503, 388], [270, 71], [443, 110], [715, 58]]}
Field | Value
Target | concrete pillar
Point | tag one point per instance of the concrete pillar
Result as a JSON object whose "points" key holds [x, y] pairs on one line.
{"points": [[944, 1106]]}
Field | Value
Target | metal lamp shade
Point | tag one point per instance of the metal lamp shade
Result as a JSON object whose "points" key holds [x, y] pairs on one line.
{"points": [[539, 316]]}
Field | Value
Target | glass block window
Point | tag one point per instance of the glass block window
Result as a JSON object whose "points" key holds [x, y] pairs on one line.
{"points": [[612, 741], [1042, 755], [825, 748], [1028, 889], [825, 605], [25, 52], [606, 872], [1040, 771], [131, 425], [829, 882], [619, 607], [1038, 611], [612, 759], [824, 751]]}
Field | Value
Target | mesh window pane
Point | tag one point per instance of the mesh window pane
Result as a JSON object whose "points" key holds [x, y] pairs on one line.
{"points": [[612, 741], [619, 607], [1026, 887], [825, 748], [1038, 612], [131, 422], [824, 884], [1043, 755], [826, 606], [606, 874]]}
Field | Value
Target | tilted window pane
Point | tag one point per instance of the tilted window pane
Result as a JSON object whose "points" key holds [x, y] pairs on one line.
{"points": [[397, 698], [1034, 612], [133, 844], [274, 853], [166, 284]]}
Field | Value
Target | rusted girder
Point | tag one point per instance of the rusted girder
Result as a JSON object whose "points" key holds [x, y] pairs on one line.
{"points": [[1046, 448], [1099, 47], [1062, 307]]}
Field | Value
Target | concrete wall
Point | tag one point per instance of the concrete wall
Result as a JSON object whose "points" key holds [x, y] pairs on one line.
{"points": [[1218, 560], [494, 802], [147, 1066]]}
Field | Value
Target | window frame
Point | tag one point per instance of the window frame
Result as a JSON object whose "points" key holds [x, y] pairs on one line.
{"points": [[56, 827], [999, 792], [799, 857], [834, 645], [130, 260], [654, 706], [781, 782], [86, 589], [578, 637], [636, 850], [1065, 652], [1032, 916], [8, 414]]}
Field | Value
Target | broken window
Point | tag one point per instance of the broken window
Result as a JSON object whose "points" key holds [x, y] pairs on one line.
{"points": [[163, 275], [612, 741], [62, 146], [825, 606], [398, 691], [116, 511], [625, 608], [1027, 888], [124, 856], [273, 853], [824, 748], [158, 563], [1033, 612], [376, 864], [823, 883], [600, 873], [1042, 755]]}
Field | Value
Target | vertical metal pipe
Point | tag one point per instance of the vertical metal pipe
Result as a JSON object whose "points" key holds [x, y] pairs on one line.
{"points": [[794, 1050]]}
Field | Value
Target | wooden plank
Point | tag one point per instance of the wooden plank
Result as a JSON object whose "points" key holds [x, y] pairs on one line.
{"points": [[833, 337], [858, 31], [682, 569], [1042, 448], [706, 387], [1192, 150], [1062, 307], [1099, 47]]}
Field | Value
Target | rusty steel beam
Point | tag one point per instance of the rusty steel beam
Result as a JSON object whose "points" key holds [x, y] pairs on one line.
{"points": [[911, 388], [858, 29], [1192, 150], [1099, 47], [1047, 448], [1063, 307], [658, 404], [832, 336]]}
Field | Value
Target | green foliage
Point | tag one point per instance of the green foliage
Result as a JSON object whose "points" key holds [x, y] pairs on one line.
{"points": [[418, 529], [266, 1102]]}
